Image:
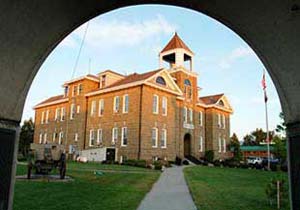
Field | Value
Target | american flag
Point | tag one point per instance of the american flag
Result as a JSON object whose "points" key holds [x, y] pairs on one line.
{"points": [[264, 86]]}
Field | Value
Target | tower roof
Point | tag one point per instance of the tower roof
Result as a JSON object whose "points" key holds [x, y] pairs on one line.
{"points": [[174, 43]]}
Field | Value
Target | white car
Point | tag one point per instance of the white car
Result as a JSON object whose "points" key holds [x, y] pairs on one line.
{"points": [[254, 160]]}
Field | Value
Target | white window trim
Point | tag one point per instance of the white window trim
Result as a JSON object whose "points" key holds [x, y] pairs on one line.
{"points": [[201, 144], [191, 115], [164, 132], [78, 109], [54, 137], [164, 106], [122, 138], [156, 137], [185, 115], [93, 107], [156, 111], [78, 91], [124, 103], [42, 118], [116, 109], [62, 114], [114, 140], [47, 116], [92, 134], [101, 105], [220, 144], [99, 137], [201, 118], [224, 145]]}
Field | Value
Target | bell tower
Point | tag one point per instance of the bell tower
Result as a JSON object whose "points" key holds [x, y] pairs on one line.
{"points": [[176, 53]]}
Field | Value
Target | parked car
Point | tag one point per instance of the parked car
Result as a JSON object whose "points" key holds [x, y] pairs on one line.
{"points": [[254, 161], [273, 163]]}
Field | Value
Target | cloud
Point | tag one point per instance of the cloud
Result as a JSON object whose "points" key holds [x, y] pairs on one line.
{"points": [[118, 32], [68, 42], [240, 52]]}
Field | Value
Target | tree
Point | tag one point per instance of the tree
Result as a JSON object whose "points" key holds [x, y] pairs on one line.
{"points": [[26, 136], [248, 140], [235, 144], [281, 128], [279, 147]]}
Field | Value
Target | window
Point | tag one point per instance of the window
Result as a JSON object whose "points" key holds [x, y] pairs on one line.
{"points": [[201, 144], [125, 103], [66, 91], [62, 114], [72, 111], [155, 104], [92, 138], [187, 88], [74, 90], [41, 138], [224, 145], [220, 144], [45, 138], [57, 113], [79, 90], [78, 109], [163, 140], [184, 114], [99, 136], [219, 120], [164, 106], [103, 78], [93, 108], [114, 135], [124, 136], [224, 121], [187, 82], [60, 138], [75, 137], [101, 107], [154, 137], [161, 81], [47, 116], [191, 115], [221, 103], [200, 118], [116, 103], [54, 136], [42, 118]]}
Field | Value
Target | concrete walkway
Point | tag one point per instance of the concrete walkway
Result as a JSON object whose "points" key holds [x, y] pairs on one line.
{"points": [[170, 192]]}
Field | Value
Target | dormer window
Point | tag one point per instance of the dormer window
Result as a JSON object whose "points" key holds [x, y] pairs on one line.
{"points": [[161, 81], [66, 91], [187, 82], [103, 78]]}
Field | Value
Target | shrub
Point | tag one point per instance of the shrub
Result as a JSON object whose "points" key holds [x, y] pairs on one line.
{"points": [[157, 165], [271, 191], [185, 162], [209, 156], [178, 161], [136, 163], [232, 163], [217, 163]]}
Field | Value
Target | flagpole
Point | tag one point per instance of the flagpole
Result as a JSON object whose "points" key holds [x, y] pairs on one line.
{"points": [[267, 128]]}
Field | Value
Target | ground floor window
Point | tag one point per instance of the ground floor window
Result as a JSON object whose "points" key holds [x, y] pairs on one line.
{"points": [[154, 133], [201, 144], [220, 144], [41, 138], [92, 138], [163, 141], [114, 135], [124, 136], [45, 138], [75, 137], [224, 145], [60, 138], [99, 136]]}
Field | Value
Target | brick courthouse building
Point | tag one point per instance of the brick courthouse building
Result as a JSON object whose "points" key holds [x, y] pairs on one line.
{"points": [[157, 114]]}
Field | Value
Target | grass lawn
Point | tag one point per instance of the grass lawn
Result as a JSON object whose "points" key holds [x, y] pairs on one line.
{"points": [[115, 191], [229, 188]]}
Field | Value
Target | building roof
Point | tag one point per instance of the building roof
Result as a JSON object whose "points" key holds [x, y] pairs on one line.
{"points": [[212, 99], [50, 100], [111, 71], [135, 77], [175, 43]]}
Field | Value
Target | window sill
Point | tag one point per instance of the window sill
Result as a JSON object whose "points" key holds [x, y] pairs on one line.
{"points": [[154, 146], [163, 147], [123, 145]]}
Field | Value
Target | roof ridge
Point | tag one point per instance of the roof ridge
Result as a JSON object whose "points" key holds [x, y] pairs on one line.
{"points": [[176, 42]]}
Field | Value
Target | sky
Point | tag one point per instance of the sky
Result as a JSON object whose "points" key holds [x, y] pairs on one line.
{"points": [[129, 39]]}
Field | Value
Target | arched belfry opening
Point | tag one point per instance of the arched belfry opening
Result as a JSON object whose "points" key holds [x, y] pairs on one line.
{"points": [[187, 139], [176, 53]]}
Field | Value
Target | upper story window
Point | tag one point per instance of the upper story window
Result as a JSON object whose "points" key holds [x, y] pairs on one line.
{"points": [[187, 82], [219, 120], [191, 115], [47, 116], [184, 114], [42, 118], [161, 81], [224, 121], [62, 114], [221, 103], [93, 108], [164, 106], [116, 104], [72, 111], [74, 90], [66, 91], [79, 90], [188, 88], [200, 118], [101, 107], [57, 113], [103, 79], [125, 103], [155, 104]]}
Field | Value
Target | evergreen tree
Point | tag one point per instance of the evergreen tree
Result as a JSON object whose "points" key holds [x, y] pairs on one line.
{"points": [[26, 136], [235, 144]]}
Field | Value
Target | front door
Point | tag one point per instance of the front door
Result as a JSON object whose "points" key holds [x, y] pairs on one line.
{"points": [[110, 154], [187, 145]]}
